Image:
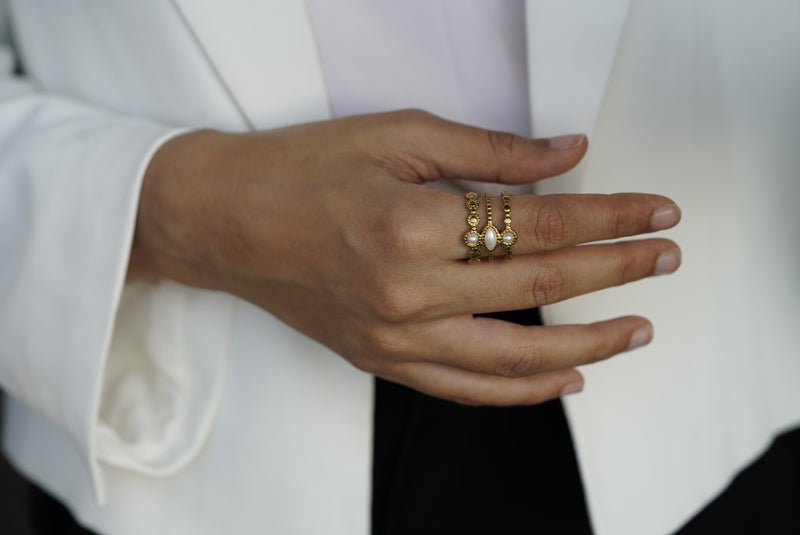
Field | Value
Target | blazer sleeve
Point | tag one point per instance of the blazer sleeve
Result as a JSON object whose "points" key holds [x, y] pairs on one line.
{"points": [[102, 360]]}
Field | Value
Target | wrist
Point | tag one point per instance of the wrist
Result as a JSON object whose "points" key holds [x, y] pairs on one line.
{"points": [[171, 239]]}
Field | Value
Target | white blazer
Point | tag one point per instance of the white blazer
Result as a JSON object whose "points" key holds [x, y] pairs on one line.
{"points": [[191, 412]]}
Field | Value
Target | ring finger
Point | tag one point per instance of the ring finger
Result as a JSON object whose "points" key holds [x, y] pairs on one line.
{"points": [[550, 222]]}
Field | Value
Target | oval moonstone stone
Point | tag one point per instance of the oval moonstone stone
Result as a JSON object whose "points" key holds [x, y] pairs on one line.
{"points": [[490, 239]]}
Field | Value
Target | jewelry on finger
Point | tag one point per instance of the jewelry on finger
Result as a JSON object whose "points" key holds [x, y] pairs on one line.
{"points": [[472, 238], [509, 237], [490, 232]]}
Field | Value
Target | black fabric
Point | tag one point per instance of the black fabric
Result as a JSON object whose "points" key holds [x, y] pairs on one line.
{"points": [[441, 468], [763, 499], [49, 517]]}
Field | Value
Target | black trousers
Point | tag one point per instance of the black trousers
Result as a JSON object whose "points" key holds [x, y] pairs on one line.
{"points": [[440, 467]]}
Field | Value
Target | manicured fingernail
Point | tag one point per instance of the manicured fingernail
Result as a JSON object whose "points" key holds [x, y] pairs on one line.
{"points": [[572, 388], [665, 217], [667, 262], [641, 337], [567, 142]]}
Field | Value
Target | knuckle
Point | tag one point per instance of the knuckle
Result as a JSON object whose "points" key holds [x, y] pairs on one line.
{"points": [[520, 361], [551, 226], [502, 146], [618, 224], [414, 114], [363, 352], [603, 343], [631, 268], [501, 143], [628, 271], [387, 343], [549, 285], [362, 362], [400, 158], [395, 144], [410, 118], [602, 349], [406, 238], [619, 217], [401, 303], [469, 398]]}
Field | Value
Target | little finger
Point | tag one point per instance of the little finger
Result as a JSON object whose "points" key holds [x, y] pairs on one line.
{"points": [[469, 388], [495, 347]]}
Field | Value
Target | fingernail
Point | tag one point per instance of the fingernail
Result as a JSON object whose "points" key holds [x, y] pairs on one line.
{"points": [[665, 217], [667, 262], [641, 337], [567, 142], [572, 388]]}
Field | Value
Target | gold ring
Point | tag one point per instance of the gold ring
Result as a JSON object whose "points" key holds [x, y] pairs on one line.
{"points": [[472, 239], [490, 232], [509, 237]]}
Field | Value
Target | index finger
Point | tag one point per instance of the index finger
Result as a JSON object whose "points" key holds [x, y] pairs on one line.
{"points": [[437, 148]]}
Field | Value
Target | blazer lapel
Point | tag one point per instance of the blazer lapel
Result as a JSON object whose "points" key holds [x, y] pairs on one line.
{"points": [[264, 53], [572, 47], [695, 109], [572, 50]]}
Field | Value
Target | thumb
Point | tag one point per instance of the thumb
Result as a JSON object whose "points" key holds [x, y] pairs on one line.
{"points": [[459, 151]]}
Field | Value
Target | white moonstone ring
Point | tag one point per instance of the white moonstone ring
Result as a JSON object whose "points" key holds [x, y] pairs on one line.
{"points": [[490, 232]]}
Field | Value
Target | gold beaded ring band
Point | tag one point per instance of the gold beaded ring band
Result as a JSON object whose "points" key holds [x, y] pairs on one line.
{"points": [[472, 238], [509, 237], [490, 232]]}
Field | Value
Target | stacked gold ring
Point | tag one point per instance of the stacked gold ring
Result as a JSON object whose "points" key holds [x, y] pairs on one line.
{"points": [[509, 237], [490, 232], [490, 238], [472, 238]]}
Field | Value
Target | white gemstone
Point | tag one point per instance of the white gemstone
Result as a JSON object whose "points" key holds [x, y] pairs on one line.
{"points": [[490, 239], [508, 238], [472, 239]]}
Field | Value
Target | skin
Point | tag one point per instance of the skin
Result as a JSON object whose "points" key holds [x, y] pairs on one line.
{"points": [[329, 226]]}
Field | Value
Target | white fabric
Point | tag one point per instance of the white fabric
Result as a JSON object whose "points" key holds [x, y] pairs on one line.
{"points": [[462, 60], [64, 263], [265, 55], [701, 106], [572, 49], [143, 59], [246, 458]]}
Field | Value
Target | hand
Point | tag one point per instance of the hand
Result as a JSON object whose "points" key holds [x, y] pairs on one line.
{"points": [[330, 227]]}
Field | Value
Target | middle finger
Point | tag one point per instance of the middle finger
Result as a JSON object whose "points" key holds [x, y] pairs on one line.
{"points": [[541, 279]]}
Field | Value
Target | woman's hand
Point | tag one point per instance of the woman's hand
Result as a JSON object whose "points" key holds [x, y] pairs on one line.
{"points": [[330, 227]]}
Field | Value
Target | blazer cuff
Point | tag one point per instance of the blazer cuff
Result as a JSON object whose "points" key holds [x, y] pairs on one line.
{"points": [[133, 377], [164, 376]]}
